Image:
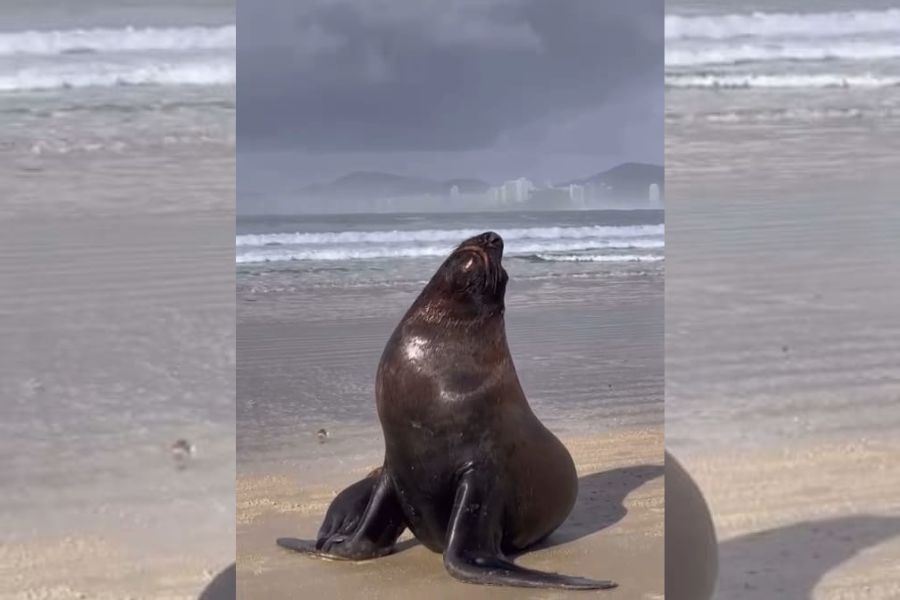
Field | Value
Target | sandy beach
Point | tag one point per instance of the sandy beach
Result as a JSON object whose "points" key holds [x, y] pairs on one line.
{"points": [[117, 306], [782, 342], [615, 531], [586, 339], [91, 566]]}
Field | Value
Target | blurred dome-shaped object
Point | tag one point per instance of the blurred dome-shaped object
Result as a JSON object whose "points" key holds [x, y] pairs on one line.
{"points": [[692, 556], [222, 587]]}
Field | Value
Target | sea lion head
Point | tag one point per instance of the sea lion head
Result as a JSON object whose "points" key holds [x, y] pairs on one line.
{"points": [[471, 282]]}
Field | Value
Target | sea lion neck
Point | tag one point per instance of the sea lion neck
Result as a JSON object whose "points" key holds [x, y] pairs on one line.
{"points": [[447, 312]]}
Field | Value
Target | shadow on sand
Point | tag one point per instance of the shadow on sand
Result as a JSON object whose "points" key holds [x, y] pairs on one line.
{"points": [[789, 562], [601, 502]]}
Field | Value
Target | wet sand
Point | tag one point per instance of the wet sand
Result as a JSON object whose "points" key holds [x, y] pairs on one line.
{"points": [[118, 340], [588, 353], [615, 532]]}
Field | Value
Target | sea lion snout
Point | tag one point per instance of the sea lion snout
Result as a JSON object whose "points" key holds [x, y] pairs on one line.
{"points": [[488, 243], [491, 240]]}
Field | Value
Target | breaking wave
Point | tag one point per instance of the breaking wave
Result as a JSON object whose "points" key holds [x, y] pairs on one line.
{"points": [[366, 245], [100, 74], [128, 39], [794, 50], [279, 254], [823, 80], [447, 235], [597, 257]]}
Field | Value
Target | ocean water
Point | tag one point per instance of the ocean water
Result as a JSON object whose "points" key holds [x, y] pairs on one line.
{"points": [[350, 250], [784, 49], [785, 66], [318, 297], [122, 89], [782, 165]]}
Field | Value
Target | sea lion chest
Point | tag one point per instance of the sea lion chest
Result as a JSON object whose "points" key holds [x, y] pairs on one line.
{"points": [[442, 399]]}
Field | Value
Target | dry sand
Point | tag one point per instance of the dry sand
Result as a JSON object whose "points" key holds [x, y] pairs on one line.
{"points": [[91, 566], [810, 521], [614, 532]]}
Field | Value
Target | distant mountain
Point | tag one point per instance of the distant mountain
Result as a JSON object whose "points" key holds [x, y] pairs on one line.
{"points": [[376, 185], [626, 186], [626, 181]]}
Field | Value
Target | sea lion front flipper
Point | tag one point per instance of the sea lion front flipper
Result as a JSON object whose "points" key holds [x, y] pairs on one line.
{"points": [[347, 509], [308, 547], [363, 522], [474, 537]]}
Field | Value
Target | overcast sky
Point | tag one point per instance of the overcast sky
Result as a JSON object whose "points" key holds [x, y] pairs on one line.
{"points": [[548, 89]]}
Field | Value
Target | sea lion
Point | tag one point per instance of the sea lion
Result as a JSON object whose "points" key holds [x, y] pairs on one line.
{"points": [[468, 467]]}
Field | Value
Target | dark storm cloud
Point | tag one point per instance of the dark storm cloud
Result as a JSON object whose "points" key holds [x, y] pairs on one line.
{"points": [[425, 75]]}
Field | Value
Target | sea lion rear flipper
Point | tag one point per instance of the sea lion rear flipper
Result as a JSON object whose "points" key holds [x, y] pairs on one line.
{"points": [[474, 537], [362, 523]]}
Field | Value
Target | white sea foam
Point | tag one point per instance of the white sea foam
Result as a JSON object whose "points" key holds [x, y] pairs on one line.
{"points": [[802, 80], [600, 257], [448, 235], [787, 114], [821, 25], [368, 252], [793, 50], [109, 74], [128, 39]]}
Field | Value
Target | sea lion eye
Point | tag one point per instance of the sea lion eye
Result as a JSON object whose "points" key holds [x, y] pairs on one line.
{"points": [[469, 263]]}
